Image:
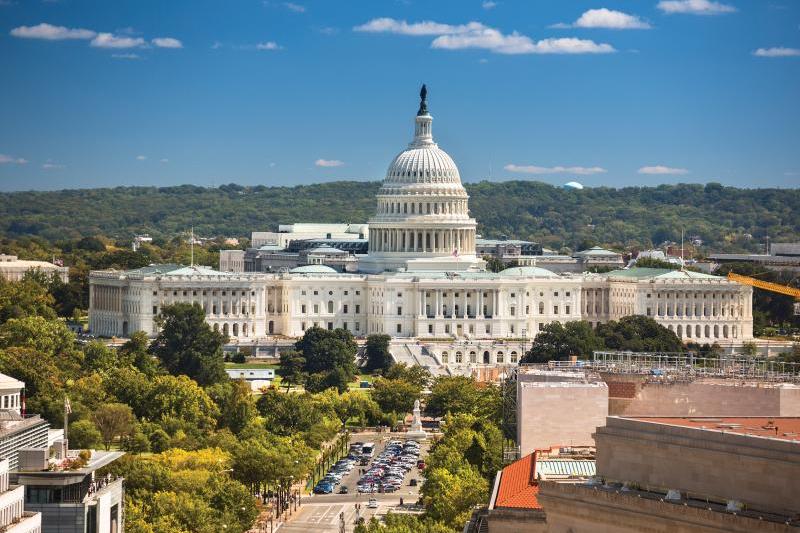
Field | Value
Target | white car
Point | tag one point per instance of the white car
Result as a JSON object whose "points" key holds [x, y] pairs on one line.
{"points": [[372, 504]]}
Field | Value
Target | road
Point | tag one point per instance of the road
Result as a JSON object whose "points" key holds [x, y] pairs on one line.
{"points": [[320, 512]]}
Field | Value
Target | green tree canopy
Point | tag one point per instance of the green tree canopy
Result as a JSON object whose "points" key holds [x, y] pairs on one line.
{"points": [[377, 353], [559, 341], [187, 345]]}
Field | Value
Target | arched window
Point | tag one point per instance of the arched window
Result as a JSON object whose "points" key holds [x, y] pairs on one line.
{"points": [[514, 357], [541, 308], [501, 357], [473, 357], [459, 357], [330, 306], [444, 358]]}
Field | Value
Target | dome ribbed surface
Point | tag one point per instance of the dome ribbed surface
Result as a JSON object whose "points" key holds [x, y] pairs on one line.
{"points": [[428, 164]]}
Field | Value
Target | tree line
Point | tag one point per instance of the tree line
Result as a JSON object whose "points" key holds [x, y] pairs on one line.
{"points": [[725, 218]]}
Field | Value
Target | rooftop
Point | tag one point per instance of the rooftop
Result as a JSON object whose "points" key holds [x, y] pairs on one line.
{"points": [[518, 484], [658, 273], [781, 428]]}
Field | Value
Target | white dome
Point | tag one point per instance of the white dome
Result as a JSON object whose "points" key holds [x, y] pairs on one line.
{"points": [[427, 164]]}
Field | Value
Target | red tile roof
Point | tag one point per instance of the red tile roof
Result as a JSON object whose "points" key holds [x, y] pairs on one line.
{"points": [[518, 486]]}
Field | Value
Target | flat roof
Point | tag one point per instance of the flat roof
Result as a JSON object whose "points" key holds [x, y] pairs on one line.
{"points": [[773, 427]]}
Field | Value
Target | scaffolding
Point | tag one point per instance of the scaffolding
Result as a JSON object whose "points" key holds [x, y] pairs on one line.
{"points": [[682, 366]]}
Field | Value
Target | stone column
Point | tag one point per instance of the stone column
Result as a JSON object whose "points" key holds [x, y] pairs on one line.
{"points": [[438, 312], [479, 303]]}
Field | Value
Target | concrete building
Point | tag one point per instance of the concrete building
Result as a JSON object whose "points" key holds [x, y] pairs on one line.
{"points": [[287, 233], [13, 269], [421, 281], [558, 408], [69, 495], [685, 475], [17, 429], [13, 516], [780, 256]]}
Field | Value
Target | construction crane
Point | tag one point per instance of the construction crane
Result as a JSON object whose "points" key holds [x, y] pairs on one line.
{"points": [[769, 286]]}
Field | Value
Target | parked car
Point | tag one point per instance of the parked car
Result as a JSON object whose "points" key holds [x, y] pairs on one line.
{"points": [[372, 504], [343, 490]]}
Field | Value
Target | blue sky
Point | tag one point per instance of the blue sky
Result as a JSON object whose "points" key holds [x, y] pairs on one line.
{"points": [[98, 93]]}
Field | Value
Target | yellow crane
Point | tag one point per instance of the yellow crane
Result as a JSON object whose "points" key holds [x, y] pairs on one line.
{"points": [[769, 286]]}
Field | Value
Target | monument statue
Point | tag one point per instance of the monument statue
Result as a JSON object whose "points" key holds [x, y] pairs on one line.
{"points": [[416, 430], [423, 104]]}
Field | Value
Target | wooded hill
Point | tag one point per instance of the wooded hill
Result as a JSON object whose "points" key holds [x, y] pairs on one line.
{"points": [[725, 218]]}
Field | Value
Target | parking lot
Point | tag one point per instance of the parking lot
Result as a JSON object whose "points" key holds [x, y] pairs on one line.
{"points": [[349, 482], [321, 512]]}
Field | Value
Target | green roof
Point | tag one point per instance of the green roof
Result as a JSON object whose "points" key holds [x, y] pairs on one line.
{"points": [[660, 273]]}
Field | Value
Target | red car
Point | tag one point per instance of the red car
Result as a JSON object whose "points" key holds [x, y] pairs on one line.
{"points": [[421, 465]]}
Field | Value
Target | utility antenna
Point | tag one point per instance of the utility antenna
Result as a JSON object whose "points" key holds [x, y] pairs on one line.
{"points": [[682, 262], [192, 246]]}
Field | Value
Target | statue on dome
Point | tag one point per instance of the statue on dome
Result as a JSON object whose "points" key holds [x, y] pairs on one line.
{"points": [[423, 105]]}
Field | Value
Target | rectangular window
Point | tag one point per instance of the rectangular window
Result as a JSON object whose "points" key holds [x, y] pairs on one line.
{"points": [[303, 293], [555, 309], [399, 310], [399, 328], [488, 328], [430, 328], [541, 326], [358, 326], [358, 292], [555, 294], [316, 293], [358, 308], [316, 309], [566, 309], [303, 308], [155, 309], [567, 294], [447, 328], [302, 326], [512, 328], [344, 308], [345, 293], [344, 326], [330, 325]]}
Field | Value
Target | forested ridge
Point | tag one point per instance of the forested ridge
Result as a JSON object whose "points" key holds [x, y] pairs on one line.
{"points": [[725, 218]]}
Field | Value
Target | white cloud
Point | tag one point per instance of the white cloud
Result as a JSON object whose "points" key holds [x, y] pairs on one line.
{"points": [[167, 42], [661, 169], [514, 43], [426, 27], [606, 18], [269, 45], [297, 8], [125, 56], [52, 166], [533, 169], [328, 163], [109, 40], [777, 51], [694, 7], [141, 157], [4, 159], [163, 160], [488, 4], [479, 36], [51, 33]]}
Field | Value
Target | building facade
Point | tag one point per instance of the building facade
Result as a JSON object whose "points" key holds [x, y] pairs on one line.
{"points": [[421, 279], [13, 516], [13, 269]]}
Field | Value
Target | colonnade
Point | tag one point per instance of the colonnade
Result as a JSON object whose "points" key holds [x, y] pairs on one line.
{"points": [[475, 303], [449, 207], [442, 241]]}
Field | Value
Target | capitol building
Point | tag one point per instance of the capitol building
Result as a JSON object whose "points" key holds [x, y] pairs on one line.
{"points": [[421, 281]]}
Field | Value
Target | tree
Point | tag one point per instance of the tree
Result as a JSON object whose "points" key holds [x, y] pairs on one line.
{"points": [[638, 334], [395, 395], [134, 352], [28, 297], [415, 374], [327, 350], [113, 420], [449, 497], [292, 364], [494, 264], [235, 402], [187, 345], [560, 341], [180, 398], [377, 353], [452, 394], [83, 434], [98, 356]]}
